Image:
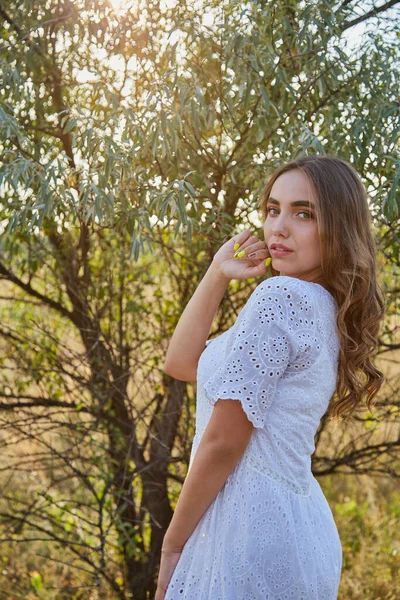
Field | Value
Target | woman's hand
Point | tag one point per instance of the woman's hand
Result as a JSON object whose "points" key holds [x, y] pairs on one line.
{"points": [[243, 267], [169, 560]]}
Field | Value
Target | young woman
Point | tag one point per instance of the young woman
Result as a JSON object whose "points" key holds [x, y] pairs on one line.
{"points": [[252, 522]]}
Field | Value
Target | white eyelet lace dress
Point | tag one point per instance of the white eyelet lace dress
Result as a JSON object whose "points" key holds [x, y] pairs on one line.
{"points": [[270, 533]]}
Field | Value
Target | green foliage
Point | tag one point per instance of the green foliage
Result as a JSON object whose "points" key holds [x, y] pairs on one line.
{"points": [[367, 514], [117, 149]]}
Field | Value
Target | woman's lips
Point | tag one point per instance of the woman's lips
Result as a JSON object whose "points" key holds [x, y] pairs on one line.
{"points": [[277, 253]]}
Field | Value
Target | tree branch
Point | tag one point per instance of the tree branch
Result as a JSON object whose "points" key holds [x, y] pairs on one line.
{"points": [[42, 24], [7, 274], [18, 29], [372, 13], [37, 402]]}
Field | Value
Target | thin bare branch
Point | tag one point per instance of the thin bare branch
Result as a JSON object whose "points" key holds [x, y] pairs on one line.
{"points": [[372, 13]]}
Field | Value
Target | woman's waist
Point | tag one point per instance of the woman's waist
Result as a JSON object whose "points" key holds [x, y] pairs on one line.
{"points": [[277, 468], [296, 484]]}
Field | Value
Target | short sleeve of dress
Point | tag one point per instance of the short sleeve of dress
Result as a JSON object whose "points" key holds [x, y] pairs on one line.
{"points": [[260, 346]]}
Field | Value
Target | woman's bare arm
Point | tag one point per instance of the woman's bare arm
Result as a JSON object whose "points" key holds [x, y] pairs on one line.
{"points": [[221, 446], [191, 333]]}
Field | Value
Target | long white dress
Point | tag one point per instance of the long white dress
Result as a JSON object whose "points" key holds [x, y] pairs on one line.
{"points": [[270, 533]]}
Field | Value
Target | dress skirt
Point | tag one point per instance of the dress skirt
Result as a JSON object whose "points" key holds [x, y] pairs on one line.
{"points": [[259, 540]]}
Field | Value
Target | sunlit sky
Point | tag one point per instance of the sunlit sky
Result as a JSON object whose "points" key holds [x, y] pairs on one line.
{"points": [[118, 64], [352, 39]]}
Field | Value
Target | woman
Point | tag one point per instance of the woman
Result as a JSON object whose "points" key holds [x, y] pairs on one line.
{"points": [[252, 522]]}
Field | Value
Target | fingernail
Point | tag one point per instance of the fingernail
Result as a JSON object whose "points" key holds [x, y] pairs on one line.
{"points": [[236, 246], [240, 254], [267, 262]]}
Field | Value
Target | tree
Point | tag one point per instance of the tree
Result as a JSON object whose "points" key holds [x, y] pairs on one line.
{"points": [[121, 131]]}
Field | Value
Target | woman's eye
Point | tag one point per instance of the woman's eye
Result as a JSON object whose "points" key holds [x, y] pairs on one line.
{"points": [[309, 215]]}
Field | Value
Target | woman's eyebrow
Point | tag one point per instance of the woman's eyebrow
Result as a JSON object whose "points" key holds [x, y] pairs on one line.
{"points": [[296, 203]]}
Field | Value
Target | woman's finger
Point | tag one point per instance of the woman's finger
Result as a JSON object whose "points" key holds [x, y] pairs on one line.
{"points": [[241, 239], [257, 250], [257, 270], [258, 253], [244, 243]]}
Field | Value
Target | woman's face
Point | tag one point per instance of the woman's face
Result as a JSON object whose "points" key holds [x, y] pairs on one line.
{"points": [[294, 226]]}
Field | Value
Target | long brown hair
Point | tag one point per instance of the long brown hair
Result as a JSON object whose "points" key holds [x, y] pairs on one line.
{"points": [[349, 268]]}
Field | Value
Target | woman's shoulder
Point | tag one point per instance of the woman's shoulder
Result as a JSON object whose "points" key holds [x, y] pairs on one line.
{"points": [[294, 303], [294, 289], [282, 285], [281, 295]]}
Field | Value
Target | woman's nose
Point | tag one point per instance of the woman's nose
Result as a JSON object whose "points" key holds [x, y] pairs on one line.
{"points": [[279, 225]]}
